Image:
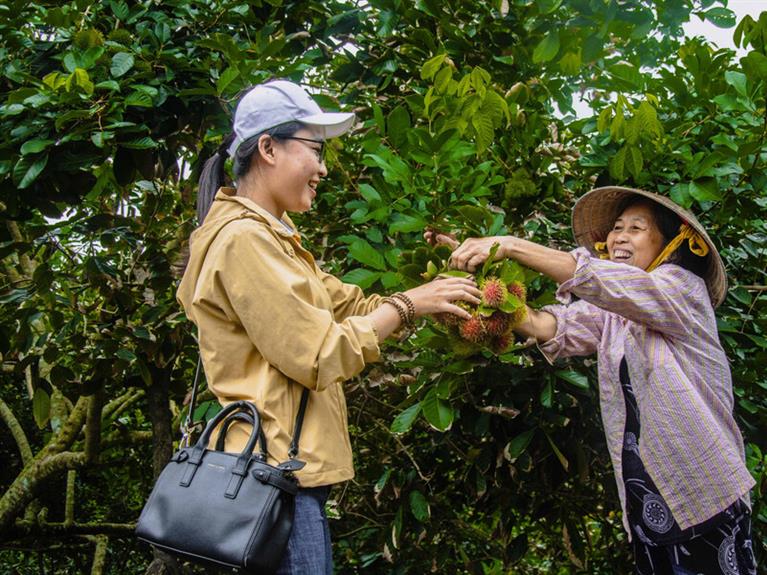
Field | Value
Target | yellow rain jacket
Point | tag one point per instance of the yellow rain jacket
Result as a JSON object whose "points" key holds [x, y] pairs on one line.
{"points": [[271, 323]]}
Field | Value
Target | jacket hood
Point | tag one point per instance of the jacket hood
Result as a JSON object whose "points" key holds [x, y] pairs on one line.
{"points": [[226, 208]]}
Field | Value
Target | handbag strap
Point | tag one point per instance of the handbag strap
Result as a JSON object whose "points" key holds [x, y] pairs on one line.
{"points": [[186, 427]]}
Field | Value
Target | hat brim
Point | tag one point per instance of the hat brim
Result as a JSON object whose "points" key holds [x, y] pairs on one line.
{"points": [[329, 124], [596, 211]]}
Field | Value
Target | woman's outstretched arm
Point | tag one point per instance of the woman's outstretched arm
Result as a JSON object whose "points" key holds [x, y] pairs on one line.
{"points": [[556, 264]]}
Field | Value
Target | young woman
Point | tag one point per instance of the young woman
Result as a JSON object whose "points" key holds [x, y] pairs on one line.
{"points": [[270, 321], [648, 278]]}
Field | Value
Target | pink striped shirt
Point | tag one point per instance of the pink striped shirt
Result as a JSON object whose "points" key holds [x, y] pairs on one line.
{"points": [[664, 324]]}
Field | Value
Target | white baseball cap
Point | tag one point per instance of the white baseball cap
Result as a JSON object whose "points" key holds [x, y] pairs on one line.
{"points": [[278, 102]]}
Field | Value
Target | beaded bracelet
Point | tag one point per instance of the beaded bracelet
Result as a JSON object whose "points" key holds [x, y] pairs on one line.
{"points": [[401, 311], [409, 303]]}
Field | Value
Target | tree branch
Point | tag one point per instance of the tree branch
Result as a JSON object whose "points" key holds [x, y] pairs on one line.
{"points": [[35, 530], [93, 427], [23, 488], [99, 555], [17, 431]]}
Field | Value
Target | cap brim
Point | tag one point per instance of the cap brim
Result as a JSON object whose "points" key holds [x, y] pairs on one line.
{"points": [[595, 213], [329, 124]]}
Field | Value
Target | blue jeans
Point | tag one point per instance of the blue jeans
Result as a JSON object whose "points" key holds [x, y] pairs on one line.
{"points": [[309, 551]]}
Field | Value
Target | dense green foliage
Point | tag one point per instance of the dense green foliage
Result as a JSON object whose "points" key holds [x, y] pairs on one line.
{"points": [[464, 464]]}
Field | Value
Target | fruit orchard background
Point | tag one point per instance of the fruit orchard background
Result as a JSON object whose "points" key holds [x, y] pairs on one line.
{"points": [[464, 464]]}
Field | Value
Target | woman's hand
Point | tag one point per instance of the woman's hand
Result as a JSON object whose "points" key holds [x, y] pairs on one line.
{"points": [[436, 238], [473, 252], [438, 296]]}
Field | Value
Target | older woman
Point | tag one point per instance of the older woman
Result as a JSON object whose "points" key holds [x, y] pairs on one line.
{"points": [[271, 323], [648, 279]]}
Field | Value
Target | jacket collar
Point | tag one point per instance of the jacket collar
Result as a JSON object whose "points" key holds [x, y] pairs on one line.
{"points": [[228, 194]]}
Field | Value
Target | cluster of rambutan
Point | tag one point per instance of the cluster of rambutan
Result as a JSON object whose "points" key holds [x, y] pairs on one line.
{"points": [[489, 326]]}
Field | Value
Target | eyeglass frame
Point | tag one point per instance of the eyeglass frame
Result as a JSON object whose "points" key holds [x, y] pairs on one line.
{"points": [[321, 151]]}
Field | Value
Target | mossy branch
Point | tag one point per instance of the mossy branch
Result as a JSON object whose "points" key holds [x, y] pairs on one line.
{"points": [[99, 555], [24, 529], [23, 489], [16, 431]]}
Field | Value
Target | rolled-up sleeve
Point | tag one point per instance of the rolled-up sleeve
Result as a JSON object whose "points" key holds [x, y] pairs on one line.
{"points": [[579, 330], [660, 300], [271, 296]]}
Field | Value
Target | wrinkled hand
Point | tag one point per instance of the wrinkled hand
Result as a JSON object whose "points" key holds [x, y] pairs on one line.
{"points": [[473, 252], [438, 296]]}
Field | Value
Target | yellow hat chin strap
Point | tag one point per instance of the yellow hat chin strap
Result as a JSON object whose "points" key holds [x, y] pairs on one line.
{"points": [[601, 249], [695, 241]]}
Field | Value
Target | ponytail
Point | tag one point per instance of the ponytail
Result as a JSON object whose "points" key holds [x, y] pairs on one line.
{"points": [[211, 179]]}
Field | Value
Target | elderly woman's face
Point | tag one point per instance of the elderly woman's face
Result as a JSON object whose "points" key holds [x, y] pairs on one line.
{"points": [[635, 238]]}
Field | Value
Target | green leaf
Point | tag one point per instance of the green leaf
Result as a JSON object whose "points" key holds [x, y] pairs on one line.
{"points": [[79, 78], [125, 354], [144, 143], [419, 506], [618, 164], [226, 78], [705, 190], [490, 261], [547, 48], [122, 62], [398, 125], [366, 254], [41, 407], [547, 394], [517, 446], [737, 80], [558, 453], [27, 169], [432, 65], [721, 17], [381, 483], [404, 421], [361, 277], [438, 412], [120, 9], [680, 193], [407, 223], [139, 99], [483, 127], [634, 161], [34, 146], [369, 193], [573, 377]]}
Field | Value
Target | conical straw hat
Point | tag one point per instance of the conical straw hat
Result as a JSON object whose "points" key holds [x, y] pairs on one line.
{"points": [[595, 212]]}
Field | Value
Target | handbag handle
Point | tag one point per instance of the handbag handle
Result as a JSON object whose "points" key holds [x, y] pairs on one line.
{"points": [[244, 417], [240, 468]]}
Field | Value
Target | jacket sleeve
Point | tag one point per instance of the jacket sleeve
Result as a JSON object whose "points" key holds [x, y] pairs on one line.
{"points": [[348, 299], [579, 330], [665, 300], [269, 294]]}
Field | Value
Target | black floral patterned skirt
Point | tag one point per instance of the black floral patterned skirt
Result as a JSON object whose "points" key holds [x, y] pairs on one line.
{"points": [[719, 545]]}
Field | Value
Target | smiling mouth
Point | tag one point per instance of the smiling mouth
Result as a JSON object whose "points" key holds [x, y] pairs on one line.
{"points": [[621, 255]]}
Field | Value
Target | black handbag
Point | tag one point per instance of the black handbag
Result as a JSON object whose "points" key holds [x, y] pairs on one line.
{"points": [[225, 509]]}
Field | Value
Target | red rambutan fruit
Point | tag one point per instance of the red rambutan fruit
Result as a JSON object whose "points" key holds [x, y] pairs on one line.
{"points": [[497, 324], [501, 343], [447, 319], [493, 292], [518, 316], [472, 329], [518, 289]]}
